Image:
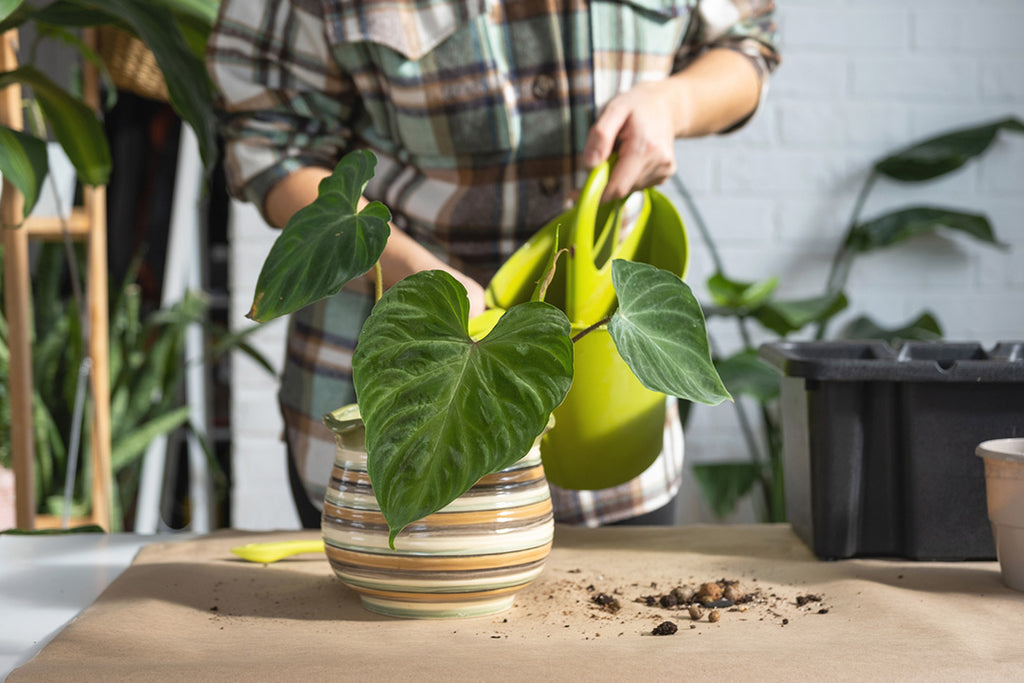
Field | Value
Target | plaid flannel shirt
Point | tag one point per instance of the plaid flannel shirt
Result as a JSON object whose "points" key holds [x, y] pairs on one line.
{"points": [[478, 112]]}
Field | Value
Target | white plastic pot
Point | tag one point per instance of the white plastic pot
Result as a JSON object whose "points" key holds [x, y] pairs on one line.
{"points": [[1004, 485]]}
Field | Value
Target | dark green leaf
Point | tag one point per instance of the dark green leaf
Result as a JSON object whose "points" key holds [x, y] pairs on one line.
{"points": [[659, 331], [745, 373], [74, 124], [64, 13], [203, 10], [441, 410], [784, 317], [743, 295], [325, 245], [901, 225], [924, 328], [188, 85], [723, 484], [72, 38], [24, 163], [947, 152]]}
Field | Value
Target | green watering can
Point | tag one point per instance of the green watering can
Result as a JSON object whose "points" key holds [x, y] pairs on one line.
{"points": [[609, 428]]}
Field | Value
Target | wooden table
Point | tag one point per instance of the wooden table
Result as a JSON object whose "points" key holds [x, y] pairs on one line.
{"points": [[189, 610]]}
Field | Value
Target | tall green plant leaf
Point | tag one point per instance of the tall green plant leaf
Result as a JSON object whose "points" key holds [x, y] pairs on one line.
{"points": [[66, 13], [924, 328], [188, 85], [74, 124], [901, 225], [325, 245], [131, 445], [660, 332], [442, 410], [944, 153], [203, 10], [723, 484], [24, 163], [734, 294], [745, 373], [785, 317]]}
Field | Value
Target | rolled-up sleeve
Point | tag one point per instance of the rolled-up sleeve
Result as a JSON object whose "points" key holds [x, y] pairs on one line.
{"points": [[282, 102], [745, 26]]}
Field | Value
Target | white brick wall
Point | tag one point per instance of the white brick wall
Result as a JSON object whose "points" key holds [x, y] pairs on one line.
{"points": [[260, 498], [858, 80]]}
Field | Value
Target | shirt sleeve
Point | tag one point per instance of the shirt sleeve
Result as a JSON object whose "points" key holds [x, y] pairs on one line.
{"points": [[745, 26], [282, 102]]}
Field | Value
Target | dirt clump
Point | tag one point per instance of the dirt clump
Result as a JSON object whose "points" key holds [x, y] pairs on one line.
{"points": [[665, 628]]}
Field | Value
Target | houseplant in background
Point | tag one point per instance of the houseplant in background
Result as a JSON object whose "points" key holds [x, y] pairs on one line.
{"points": [[174, 30], [747, 302], [145, 347], [443, 408], [147, 372]]}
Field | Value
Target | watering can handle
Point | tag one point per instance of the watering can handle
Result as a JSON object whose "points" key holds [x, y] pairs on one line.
{"points": [[589, 294]]}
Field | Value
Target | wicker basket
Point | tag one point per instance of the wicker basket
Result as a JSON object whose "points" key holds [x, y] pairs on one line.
{"points": [[131, 65]]}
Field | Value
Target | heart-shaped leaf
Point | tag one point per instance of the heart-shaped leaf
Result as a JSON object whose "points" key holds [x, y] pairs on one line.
{"points": [[325, 245], [944, 153], [24, 163], [899, 226], [660, 332], [442, 410]]}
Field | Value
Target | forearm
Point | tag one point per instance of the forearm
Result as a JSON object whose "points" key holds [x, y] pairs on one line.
{"points": [[717, 90]]}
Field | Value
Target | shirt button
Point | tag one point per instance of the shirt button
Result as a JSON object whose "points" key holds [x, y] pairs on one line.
{"points": [[549, 187], [543, 86]]}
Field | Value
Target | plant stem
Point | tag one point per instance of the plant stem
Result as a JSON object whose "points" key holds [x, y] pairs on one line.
{"points": [[698, 219], [841, 261], [584, 332], [746, 428], [378, 282], [843, 258]]}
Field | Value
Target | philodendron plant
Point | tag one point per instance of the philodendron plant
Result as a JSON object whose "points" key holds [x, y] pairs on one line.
{"points": [[443, 408]]}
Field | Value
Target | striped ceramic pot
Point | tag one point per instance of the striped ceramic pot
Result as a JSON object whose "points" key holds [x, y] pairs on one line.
{"points": [[465, 560]]}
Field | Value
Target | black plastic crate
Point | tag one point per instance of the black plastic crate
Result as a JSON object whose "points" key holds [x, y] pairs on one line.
{"points": [[879, 443]]}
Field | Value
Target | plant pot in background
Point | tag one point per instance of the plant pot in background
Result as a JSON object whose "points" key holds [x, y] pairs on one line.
{"points": [[466, 560], [1004, 487]]}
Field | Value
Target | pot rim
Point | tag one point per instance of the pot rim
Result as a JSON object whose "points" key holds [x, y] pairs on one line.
{"points": [[1009, 449]]}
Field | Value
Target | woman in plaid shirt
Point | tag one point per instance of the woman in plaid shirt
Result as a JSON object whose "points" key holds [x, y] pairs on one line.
{"points": [[485, 117]]}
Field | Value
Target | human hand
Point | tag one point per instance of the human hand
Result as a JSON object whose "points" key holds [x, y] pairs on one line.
{"points": [[639, 125]]}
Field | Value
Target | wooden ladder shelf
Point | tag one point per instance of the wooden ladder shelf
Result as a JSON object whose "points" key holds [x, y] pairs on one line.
{"points": [[86, 224]]}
